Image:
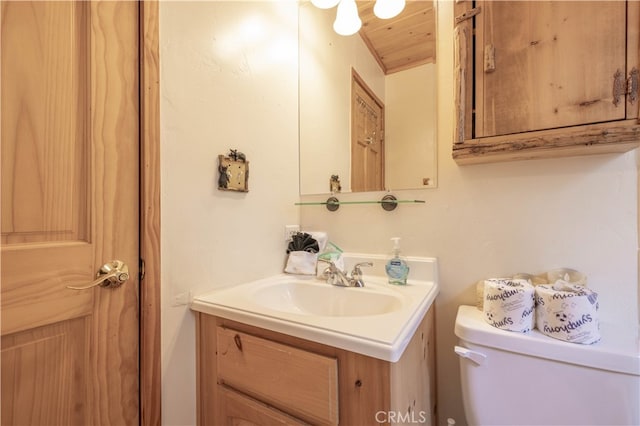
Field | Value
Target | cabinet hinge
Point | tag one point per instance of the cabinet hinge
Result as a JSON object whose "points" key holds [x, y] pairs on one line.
{"points": [[632, 86], [625, 86], [619, 89], [141, 269], [489, 58], [468, 14]]}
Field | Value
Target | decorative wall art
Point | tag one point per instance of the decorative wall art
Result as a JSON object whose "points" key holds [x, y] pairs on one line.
{"points": [[234, 172], [334, 184]]}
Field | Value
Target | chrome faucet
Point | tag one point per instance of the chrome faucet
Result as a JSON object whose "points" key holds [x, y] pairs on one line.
{"points": [[336, 277]]}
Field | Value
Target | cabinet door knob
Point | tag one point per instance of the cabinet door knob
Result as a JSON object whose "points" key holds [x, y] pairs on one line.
{"points": [[238, 342]]}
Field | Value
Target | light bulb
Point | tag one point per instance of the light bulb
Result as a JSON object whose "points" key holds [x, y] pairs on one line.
{"points": [[324, 4], [347, 20], [385, 9]]}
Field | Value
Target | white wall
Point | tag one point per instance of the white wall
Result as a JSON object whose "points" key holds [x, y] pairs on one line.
{"points": [[410, 123], [228, 80], [220, 92], [496, 219]]}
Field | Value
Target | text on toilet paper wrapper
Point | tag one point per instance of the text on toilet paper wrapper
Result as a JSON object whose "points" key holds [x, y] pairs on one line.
{"points": [[570, 325]]}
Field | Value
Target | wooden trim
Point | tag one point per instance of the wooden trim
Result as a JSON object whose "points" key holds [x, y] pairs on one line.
{"points": [[463, 68], [207, 391], [619, 136], [482, 29], [633, 60], [633, 51], [461, 38], [355, 76], [433, 367], [150, 349]]}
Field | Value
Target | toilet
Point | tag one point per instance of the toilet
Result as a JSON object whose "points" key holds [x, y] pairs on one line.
{"points": [[511, 378]]}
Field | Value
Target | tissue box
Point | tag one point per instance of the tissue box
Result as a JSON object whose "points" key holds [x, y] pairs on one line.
{"points": [[301, 263]]}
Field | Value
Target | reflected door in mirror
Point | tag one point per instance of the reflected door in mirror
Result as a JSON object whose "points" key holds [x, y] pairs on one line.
{"points": [[367, 141]]}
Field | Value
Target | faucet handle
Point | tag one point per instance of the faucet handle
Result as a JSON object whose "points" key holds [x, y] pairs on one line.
{"points": [[331, 271], [356, 274], [356, 269], [331, 265]]}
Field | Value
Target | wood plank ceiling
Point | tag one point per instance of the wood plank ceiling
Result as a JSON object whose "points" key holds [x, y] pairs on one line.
{"points": [[403, 42]]}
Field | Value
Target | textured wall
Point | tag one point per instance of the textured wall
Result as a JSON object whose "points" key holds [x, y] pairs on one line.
{"points": [[228, 80]]}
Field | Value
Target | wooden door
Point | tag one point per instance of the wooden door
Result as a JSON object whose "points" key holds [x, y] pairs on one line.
{"points": [[70, 202], [548, 64], [367, 139]]}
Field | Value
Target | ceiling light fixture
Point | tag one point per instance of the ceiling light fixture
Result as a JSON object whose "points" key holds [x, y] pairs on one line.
{"points": [[347, 20], [386, 9], [325, 4]]}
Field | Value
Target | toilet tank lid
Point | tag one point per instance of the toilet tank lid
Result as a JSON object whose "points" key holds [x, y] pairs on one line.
{"points": [[618, 349]]}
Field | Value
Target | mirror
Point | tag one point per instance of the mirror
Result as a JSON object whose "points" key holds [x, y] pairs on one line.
{"points": [[404, 139]]}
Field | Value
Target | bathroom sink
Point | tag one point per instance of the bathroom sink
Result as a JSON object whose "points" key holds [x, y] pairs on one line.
{"points": [[323, 299], [376, 320]]}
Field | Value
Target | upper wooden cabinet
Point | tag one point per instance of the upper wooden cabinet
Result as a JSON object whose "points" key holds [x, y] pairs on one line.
{"points": [[545, 79]]}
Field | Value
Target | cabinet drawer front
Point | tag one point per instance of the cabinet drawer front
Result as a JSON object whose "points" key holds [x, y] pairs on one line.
{"points": [[239, 409], [302, 383]]}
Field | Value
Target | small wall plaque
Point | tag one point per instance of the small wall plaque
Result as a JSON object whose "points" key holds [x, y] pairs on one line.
{"points": [[234, 172], [334, 184]]}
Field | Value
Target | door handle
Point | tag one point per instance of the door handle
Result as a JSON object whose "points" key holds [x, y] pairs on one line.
{"points": [[111, 275]]}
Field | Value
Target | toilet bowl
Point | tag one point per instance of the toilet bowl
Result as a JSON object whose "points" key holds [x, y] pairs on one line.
{"points": [[511, 378]]}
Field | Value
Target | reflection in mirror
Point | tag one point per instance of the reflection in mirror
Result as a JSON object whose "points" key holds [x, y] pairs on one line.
{"points": [[367, 121]]}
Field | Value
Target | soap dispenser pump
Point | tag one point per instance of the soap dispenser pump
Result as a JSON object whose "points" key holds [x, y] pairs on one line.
{"points": [[396, 268]]}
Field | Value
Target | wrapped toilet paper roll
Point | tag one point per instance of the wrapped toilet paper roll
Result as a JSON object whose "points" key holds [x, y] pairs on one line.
{"points": [[509, 304], [519, 276], [568, 312]]}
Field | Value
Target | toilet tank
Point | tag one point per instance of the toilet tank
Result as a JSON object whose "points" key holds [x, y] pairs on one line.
{"points": [[511, 378]]}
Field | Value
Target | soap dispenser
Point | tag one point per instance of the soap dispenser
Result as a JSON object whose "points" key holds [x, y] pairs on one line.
{"points": [[397, 269]]}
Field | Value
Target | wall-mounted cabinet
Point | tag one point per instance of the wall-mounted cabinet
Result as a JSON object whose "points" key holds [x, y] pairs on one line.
{"points": [[545, 79], [252, 376]]}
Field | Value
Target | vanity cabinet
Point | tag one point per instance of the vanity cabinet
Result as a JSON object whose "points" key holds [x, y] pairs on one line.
{"points": [[253, 376], [545, 79]]}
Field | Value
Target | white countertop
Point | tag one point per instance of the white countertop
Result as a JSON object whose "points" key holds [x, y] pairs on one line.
{"points": [[384, 336]]}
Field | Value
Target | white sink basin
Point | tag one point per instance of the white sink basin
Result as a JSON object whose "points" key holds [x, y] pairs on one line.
{"points": [[377, 320], [322, 299]]}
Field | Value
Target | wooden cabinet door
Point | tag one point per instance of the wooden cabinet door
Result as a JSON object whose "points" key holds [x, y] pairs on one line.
{"points": [[548, 64], [300, 382], [70, 159], [239, 409]]}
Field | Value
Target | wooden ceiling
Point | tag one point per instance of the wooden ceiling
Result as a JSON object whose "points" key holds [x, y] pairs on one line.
{"points": [[403, 42]]}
